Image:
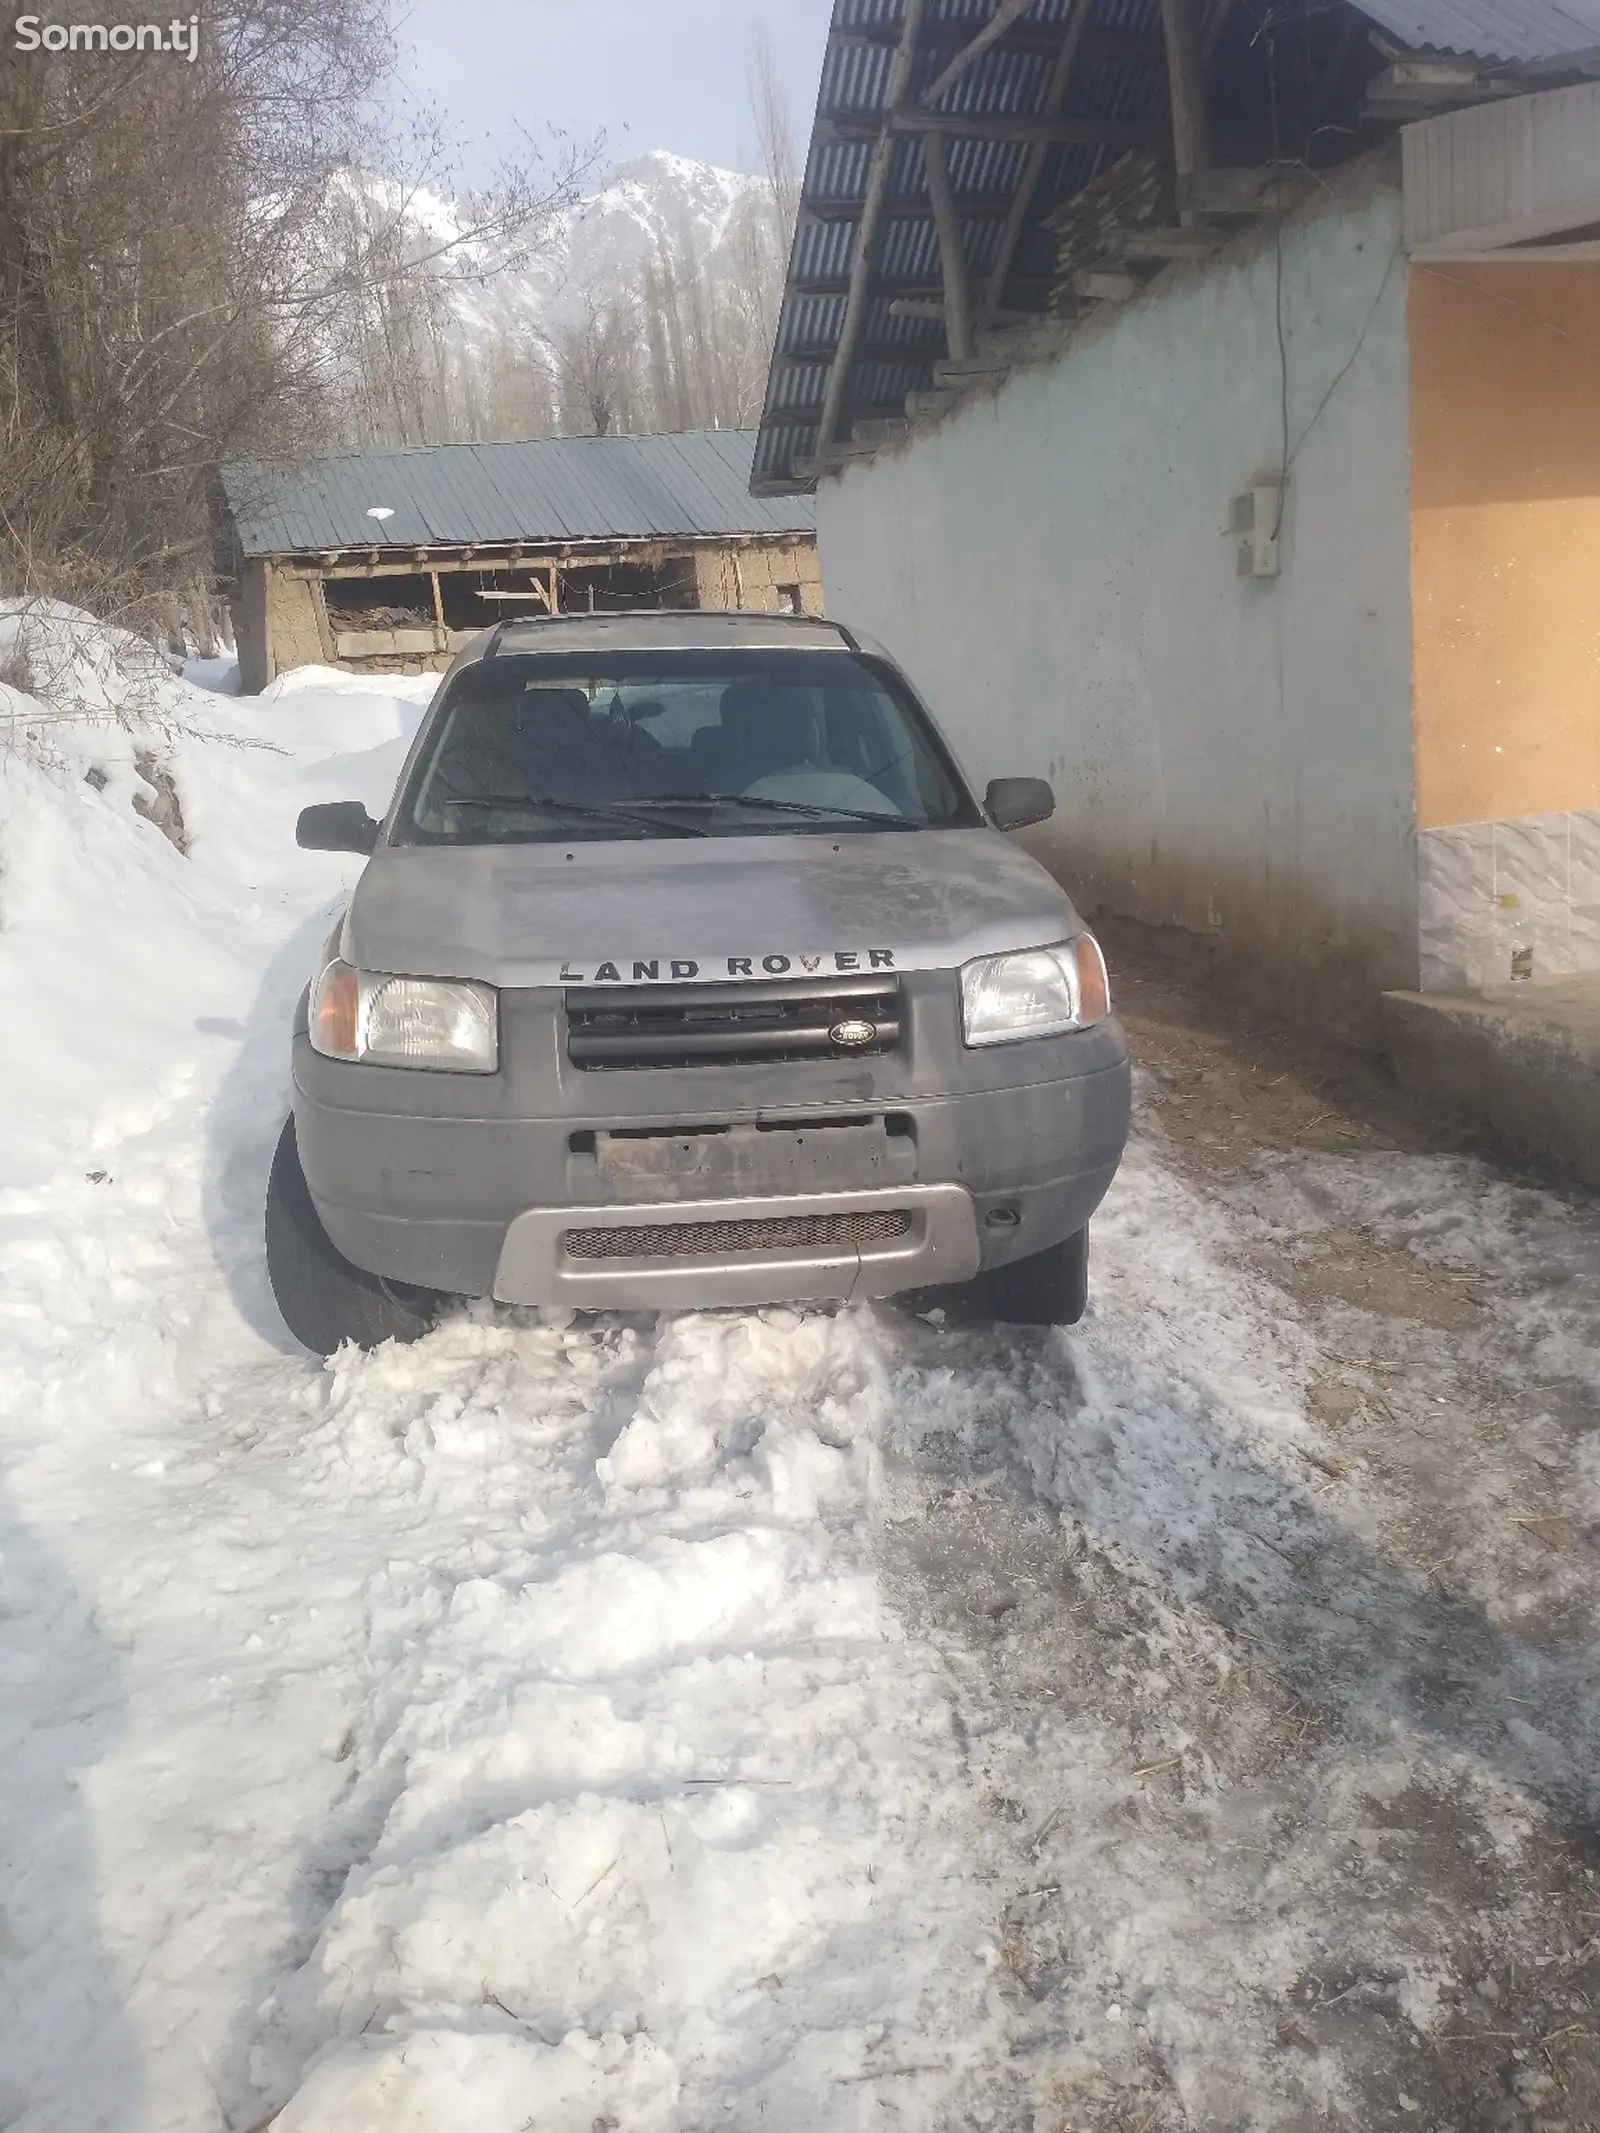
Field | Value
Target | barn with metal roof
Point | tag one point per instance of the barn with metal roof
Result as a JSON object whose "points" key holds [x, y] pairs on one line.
{"points": [[388, 559]]}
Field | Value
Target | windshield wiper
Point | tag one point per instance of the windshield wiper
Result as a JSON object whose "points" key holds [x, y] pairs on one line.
{"points": [[503, 802], [813, 808]]}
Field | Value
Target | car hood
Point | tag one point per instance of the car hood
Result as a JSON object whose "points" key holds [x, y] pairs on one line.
{"points": [[700, 909]]}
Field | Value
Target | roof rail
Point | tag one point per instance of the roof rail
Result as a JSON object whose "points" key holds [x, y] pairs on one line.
{"points": [[632, 614]]}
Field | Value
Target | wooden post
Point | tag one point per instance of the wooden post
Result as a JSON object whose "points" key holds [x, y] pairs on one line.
{"points": [[993, 30], [866, 230], [952, 256], [1191, 125]]}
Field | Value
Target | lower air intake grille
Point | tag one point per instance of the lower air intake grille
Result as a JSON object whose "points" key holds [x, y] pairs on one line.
{"points": [[725, 1240]]}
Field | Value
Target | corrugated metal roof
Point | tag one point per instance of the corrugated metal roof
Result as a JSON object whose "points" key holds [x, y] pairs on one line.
{"points": [[551, 489], [1117, 89], [1491, 29], [1121, 78]]}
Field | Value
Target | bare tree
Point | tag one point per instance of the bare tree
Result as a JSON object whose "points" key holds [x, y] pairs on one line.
{"points": [[593, 359], [775, 137], [208, 260]]}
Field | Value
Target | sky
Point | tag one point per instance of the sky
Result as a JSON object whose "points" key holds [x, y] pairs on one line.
{"points": [[646, 73]]}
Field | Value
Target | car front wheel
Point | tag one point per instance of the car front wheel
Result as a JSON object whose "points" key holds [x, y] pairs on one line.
{"points": [[325, 1300]]}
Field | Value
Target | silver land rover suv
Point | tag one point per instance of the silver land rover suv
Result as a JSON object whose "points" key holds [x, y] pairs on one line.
{"points": [[687, 969]]}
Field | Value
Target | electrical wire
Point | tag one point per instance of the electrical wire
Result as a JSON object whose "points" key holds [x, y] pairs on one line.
{"points": [[1343, 371]]}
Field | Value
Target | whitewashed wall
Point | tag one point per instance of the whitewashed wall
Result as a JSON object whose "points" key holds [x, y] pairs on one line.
{"points": [[1050, 565]]}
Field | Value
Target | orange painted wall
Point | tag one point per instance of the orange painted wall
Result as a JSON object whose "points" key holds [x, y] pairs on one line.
{"points": [[1505, 469]]}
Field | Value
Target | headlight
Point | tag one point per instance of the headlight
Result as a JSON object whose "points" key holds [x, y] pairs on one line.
{"points": [[1038, 992], [450, 1024]]}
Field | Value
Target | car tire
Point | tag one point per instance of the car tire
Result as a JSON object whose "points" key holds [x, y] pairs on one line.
{"points": [[325, 1300], [1048, 1288]]}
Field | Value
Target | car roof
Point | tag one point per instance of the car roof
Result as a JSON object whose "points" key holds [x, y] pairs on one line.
{"points": [[664, 629]]}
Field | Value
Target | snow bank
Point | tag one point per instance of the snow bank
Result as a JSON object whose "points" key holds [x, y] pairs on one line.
{"points": [[655, 1784], [117, 949]]}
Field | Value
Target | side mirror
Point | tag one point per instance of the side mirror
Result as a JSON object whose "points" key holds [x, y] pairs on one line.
{"points": [[1014, 803], [336, 826]]}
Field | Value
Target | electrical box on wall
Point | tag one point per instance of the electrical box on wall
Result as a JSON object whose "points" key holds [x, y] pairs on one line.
{"points": [[1253, 526]]}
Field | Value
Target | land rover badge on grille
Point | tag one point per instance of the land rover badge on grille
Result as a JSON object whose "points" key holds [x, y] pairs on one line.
{"points": [[853, 1033]]}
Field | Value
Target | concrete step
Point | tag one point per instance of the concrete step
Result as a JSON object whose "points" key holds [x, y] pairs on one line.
{"points": [[1523, 1059]]}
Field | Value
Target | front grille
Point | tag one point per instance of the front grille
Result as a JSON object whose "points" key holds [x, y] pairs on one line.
{"points": [[728, 1025], [726, 1240]]}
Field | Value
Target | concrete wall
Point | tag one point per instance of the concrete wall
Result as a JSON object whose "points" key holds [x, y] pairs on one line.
{"points": [[1230, 756], [1506, 600]]}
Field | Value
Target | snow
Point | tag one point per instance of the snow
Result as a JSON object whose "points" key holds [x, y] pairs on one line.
{"points": [[93, 906], [648, 208], [575, 1723]]}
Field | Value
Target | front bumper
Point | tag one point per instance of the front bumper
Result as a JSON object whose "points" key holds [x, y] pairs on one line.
{"points": [[475, 1185]]}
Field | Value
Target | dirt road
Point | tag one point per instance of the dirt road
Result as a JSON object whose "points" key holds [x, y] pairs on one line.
{"points": [[1271, 1616]]}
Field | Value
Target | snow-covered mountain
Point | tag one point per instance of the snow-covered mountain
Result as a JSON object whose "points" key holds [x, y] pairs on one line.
{"points": [[655, 207], [649, 303]]}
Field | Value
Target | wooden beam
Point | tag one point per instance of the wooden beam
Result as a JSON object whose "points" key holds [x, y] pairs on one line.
{"points": [[933, 307], [1186, 81], [855, 302], [993, 30], [979, 126], [1033, 164], [952, 255], [974, 206]]}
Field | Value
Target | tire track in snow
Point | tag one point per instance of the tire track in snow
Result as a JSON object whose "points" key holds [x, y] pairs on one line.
{"points": [[656, 1811]]}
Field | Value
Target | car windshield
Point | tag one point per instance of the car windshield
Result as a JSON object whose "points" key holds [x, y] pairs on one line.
{"points": [[579, 746]]}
